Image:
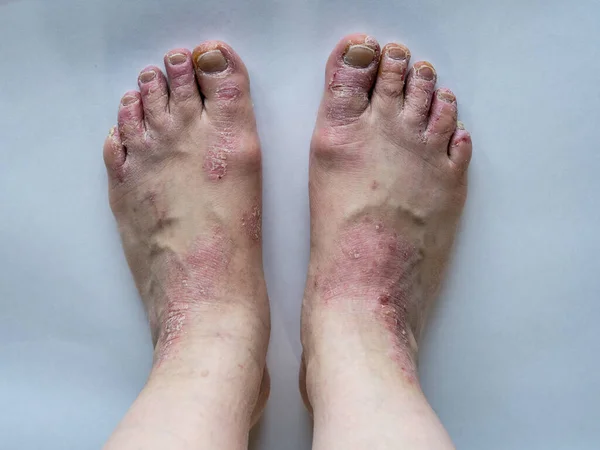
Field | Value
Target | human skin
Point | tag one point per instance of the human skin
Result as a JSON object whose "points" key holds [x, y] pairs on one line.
{"points": [[388, 183], [184, 169], [387, 187]]}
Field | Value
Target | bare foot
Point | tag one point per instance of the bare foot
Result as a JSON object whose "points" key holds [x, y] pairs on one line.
{"points": [[184, 167], [387, 187]]}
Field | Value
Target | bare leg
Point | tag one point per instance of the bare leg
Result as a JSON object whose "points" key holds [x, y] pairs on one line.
{"points": [[185, 188], [387, 187]]}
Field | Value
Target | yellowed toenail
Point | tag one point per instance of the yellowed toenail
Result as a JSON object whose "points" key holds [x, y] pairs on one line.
{"points": [[177, 58], [212, 61], [445, 96], [359, 56], [112, 132], [147, 76], [460, 125], [425, 71], [128, 100], [398, 53]]}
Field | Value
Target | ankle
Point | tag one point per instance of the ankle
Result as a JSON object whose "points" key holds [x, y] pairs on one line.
{"points": [[223, 371], [332, 390], [197, 403], [233, 335], [347, 354], [347, 328]]}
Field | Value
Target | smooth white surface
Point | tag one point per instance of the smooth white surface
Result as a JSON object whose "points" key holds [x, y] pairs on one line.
{"points": [[511, 360]]}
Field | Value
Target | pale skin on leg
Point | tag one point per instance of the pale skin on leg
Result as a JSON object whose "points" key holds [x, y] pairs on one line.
{"points": [[387, 187], [184, 169]]}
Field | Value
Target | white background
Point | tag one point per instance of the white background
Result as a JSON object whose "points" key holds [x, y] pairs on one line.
{"points": [[511, 358]]}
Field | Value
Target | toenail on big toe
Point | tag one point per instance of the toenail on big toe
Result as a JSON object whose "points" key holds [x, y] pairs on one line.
{"points": [[425, 72], [212, 61], [359, 56]]}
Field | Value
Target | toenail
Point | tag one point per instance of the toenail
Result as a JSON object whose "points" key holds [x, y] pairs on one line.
{"points": [[447, 97], [128, 100], [359, 56], [460, 125], [147, 76], [425, 72], [212, 61], [177, 58], [397, 53]]}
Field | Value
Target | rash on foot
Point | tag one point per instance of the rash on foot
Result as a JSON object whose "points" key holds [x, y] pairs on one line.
{"points": [[191, 282], [379, 268], [252, 224]]}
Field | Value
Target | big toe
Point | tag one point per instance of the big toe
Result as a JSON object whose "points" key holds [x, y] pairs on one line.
{"points": [[349, 77], [224, 83]]}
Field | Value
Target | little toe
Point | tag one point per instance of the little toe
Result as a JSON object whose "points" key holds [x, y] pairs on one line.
{"points": [[185, 96], [419, 89], [389, 87], [224, 83], [155, 95], [461, 147], [131, 119], [113, 152], [349, 77], [442, 118]]}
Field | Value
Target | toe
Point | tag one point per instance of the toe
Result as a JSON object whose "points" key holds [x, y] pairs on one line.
{"points": [[442, 118], [131, 119], [420, 85], [155, 96], [224, 83], [185, 97], [349, 77], [389, 87], [114, 152], [460, 148]]}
